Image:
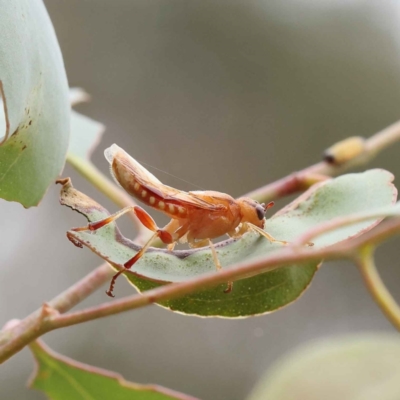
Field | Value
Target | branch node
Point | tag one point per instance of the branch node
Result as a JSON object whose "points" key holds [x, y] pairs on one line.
{"points": [[47, 312]]}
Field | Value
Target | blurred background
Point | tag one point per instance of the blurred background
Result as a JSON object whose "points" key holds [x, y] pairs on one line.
{"points": [[228, 95]]}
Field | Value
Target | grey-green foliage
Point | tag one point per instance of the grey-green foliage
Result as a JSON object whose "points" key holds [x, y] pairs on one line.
{"points": [[36, 95], [358, 367], [265, 292]]}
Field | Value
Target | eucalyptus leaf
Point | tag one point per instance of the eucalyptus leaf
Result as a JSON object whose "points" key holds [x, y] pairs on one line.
{"points": [[358, 367], [85, 135], [78, 95], [62, 378], [35, 99], [343, 196], [258, 294]]}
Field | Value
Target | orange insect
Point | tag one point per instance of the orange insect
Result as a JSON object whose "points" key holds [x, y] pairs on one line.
{"points": [[196, 217]]}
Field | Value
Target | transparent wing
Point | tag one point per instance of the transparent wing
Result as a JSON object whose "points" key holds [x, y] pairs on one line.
{"points": [[134, 171]]}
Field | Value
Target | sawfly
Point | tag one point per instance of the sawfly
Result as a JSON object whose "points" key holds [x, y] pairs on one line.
{"points": [[196, 217]]}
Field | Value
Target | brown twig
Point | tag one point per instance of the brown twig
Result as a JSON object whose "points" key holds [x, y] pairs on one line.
{"points": [[16, 337], [305, 178], [22, 331], [19, 336], [288, 255]]}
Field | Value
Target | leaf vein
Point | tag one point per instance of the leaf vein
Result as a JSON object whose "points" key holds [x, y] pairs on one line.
{"points": [[74, 383]]}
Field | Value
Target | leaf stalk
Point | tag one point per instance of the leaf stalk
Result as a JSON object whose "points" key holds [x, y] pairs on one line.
{"points": [[376, 286]]}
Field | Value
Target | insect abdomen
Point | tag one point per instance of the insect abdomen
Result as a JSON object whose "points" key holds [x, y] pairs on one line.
{"points": [[145, 195]]}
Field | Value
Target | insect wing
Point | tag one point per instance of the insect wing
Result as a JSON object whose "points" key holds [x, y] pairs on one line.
{"points": [[130, 171], [132, 166]]}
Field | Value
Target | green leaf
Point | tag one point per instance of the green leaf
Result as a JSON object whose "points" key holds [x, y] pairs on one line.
{"points": [[78, 95], [258, 294], [85, 135], [62, 378], [346, 195], [358, 367], [36, 98]]}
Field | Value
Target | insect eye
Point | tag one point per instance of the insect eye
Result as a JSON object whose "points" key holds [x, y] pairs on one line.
{"points": [[260, 212]]}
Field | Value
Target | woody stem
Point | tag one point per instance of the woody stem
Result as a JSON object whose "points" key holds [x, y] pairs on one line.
{"points": [[302, 180]]}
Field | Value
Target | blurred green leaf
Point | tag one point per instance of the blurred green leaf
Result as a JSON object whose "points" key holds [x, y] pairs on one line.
{"points": [[78, 95], [85, 135], [62, 378], [36, 95], [258, 294], [359, 367]]}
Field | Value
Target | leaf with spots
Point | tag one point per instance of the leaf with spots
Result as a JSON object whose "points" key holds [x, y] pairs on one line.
{"points": [[35, 122], [62, 378], [259, 294]]}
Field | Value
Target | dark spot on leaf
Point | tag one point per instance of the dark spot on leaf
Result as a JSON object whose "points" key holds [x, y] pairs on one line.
{"points": [[30, 122], [23, 148]]}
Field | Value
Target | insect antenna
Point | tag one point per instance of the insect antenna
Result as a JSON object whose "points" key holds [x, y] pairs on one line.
{"points": [[267, 206]]}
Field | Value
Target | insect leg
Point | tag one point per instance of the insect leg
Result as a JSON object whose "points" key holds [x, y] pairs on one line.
{"points": [[143, 216], [271, 238], [218, 265], [171, 246], [179, 230], [203, 243], [236, 234], [266, 234], [163, 234], [130, 262]]}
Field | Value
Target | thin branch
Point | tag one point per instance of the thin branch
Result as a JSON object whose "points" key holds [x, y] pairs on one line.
{"points": [[303, 179], [21, 332], [82, 289], [381, 140], [46, 319], [37, 324], [286, 256], [293, 183], [376, 287], [171, 291], [17, 338]]}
